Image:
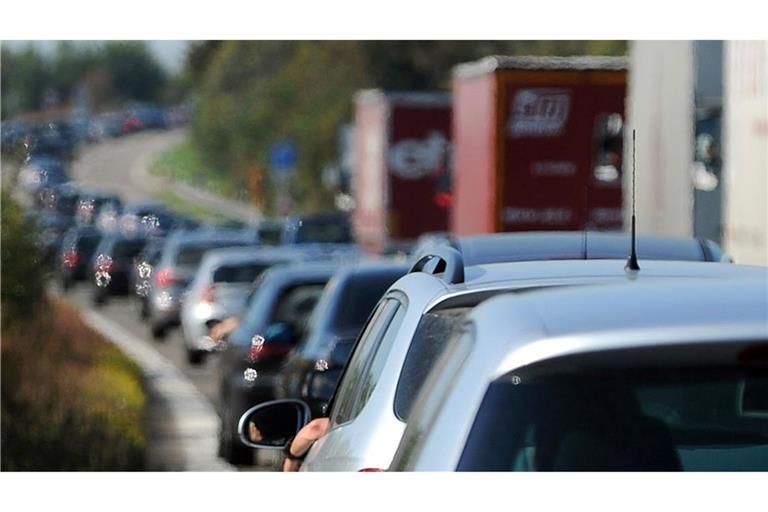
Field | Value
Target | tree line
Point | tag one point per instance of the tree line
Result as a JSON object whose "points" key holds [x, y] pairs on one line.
{"points": [[251, 94], [112, 73]]}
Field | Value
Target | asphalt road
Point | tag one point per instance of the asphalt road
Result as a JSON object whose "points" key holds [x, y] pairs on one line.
{"points": [[119, 165]]}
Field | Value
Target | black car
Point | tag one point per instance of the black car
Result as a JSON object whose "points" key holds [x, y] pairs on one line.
{"points": [[273, 324], [91, 203], [55, 139], [111, 265], [341, 313], [151, 219], [77, 249], [141, 273], [51, 228], [40, 172]]}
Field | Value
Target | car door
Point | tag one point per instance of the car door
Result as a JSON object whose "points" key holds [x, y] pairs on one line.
{"points": [[337, 449]]}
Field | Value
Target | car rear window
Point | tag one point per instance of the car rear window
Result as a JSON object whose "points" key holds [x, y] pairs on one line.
{"points": [[291, 304], [692, 418], [359, 297], [128, 248], [191, 255], [87, 244], [243, 273], [324, 232], [429, 341]]}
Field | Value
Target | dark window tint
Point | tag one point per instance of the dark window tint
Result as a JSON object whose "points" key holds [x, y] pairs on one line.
{"points": [[429, 341], [376, 365], [359, 297], [271, 235], [612, 419], [87, 244], [245, 273], [323, 232], [128, 248], [295, 305], [344, 402], [191, 255]]}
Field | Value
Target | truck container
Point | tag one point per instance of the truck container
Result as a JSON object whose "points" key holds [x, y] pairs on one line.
{"points": [[745, 160], [661, 107], [401, 177], [538, 144]]}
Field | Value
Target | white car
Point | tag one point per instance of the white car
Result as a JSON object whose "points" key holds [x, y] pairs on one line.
{"points": [[220, 289], [655, 376]]}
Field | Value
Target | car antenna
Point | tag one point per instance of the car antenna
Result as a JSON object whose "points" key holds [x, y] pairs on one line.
{"points": [[632, 265]]}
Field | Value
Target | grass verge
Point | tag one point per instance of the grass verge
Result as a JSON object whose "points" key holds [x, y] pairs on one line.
{"points": [[70, 400], [180, 204], [183, 162]]}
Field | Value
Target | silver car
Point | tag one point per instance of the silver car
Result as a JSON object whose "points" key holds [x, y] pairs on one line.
{"points": [[660, 376], [176, 267], [220, 288], [407, 331]]}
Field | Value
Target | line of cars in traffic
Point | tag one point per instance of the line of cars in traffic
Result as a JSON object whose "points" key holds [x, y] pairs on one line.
{"points": [[182, 274], [61, 136], [521, 351]]}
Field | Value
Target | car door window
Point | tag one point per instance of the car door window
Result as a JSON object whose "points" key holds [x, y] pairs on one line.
{"points": [[377, 359], [359, 362]]}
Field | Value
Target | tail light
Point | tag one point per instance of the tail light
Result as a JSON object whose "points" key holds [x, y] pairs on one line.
{"points": [[166, 278], [209, 295], [106, 266], [370, 470], [442, 199], [267, 351], [70, 259]]}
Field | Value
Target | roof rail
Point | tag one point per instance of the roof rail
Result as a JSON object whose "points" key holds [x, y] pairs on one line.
{"points": [[444, 260]]}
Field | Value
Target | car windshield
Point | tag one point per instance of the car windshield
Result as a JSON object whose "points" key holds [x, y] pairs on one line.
{"points": [[692, 418]]}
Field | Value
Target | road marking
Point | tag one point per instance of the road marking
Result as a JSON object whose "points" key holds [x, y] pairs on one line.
{"points": [[190, 443]]}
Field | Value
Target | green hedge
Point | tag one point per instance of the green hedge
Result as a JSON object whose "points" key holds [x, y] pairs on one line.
{"points": [[70, 400]]}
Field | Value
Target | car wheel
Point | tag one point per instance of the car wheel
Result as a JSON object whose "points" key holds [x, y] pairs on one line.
{"points": [[158, 331], [231, 449], [195, 357], [143, 310], [99, 298]]}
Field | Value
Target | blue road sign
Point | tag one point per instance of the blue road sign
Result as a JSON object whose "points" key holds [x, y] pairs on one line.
{"points": [[282, 157]]}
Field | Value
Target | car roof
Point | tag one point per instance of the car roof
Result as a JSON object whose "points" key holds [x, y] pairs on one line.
{"points": [[290, 273], [183, 237], [521, 329], [495, 277], [370, 267], [544, 272], [232, 255], [568, 245]]}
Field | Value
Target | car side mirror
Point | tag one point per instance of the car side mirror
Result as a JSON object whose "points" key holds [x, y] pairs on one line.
{"points": [[272, 424]]}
